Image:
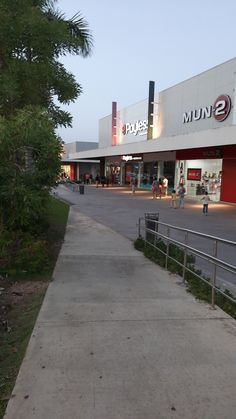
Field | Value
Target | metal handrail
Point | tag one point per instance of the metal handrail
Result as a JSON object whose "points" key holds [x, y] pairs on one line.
{"points": [[196, 233], [213, 259], [203, 255]]}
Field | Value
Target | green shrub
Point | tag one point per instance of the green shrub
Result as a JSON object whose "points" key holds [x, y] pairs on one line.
{"points": [[157, 254], [226, 305], [139, 244], [32, 256], [200, 289], [22, 252]]}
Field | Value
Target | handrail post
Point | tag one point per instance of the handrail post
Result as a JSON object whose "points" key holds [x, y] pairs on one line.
{"points": [[155, 236], [139, 228], [185, 255], [167, 247], [213, 291], [188, 249]]}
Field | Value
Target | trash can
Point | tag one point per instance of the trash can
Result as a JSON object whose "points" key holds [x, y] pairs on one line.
{"points": [[151, 223], [81, 189]]}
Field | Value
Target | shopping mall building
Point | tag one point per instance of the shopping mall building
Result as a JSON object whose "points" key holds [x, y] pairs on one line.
{"points": [[186, 133]]}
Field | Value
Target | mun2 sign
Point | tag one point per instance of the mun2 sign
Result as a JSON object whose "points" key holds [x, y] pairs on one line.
{"points": [[220, 110]]}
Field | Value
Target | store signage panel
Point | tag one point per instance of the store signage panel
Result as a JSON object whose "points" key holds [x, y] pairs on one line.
{"points": [[129, 158], [194, 174], [212, 154], [219, 110], [137, 128]]}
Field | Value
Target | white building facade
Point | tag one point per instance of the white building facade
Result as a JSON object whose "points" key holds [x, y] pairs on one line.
{"points": [[193, 141]]}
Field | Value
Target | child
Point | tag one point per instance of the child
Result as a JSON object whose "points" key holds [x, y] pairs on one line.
{"points": [[205, 200], [173, 199]]}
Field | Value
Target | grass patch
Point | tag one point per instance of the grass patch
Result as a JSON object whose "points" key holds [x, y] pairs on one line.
{"points": [[21, 300], [201, 289], [13, 345], [26, 254]]}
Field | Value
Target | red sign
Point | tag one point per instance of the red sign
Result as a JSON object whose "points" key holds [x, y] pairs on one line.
{"points": [[194, 174], [222, 107]]}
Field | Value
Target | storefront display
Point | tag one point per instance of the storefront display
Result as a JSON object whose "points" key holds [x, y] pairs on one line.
{"points": [[112, 170], [149, 172], [200, 176]]}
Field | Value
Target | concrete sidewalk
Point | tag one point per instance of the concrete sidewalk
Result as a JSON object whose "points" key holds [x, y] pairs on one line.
{"points": [[119, 338]]}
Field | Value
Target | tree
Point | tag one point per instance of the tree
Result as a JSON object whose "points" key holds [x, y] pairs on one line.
{"points": [[33, 37], [29, 167]]}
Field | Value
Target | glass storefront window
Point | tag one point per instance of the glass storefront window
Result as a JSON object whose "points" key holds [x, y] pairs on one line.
{"points": [[113, 172], [149, 171], [200, 176], [65, 169]]}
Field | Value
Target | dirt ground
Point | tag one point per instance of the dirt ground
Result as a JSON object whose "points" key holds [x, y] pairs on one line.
{"points": [[15, 295]]}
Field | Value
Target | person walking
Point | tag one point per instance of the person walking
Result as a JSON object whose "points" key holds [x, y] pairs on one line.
{"points": [[205, 202], [160, 187], [173, 199], [132, 183], [97, 179], [87, 177], [165, 186], [154, 188], [103, 180], [181, 194]]}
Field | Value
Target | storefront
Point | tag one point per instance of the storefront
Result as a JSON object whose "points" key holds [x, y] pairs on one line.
{"points": [[74, 168], [209, 170], [186, 133], [158, 165], [199, 176], [80, 170], [113, 169], [122, 170]]}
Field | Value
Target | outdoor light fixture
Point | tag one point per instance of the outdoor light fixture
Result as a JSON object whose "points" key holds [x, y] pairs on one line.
{"points": [[150, 110]]}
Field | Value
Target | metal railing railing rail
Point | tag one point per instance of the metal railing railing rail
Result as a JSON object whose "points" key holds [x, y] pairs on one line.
{"points": [[216, 262]]}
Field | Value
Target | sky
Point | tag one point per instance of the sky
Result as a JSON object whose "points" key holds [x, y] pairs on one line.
{"points": [[135, 41]]}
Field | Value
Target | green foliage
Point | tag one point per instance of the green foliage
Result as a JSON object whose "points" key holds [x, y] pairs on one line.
{"points": [[27, 253], [57, 214], [32, 256], [33, 35], [30, 165], [226, 305], [157, 253], [139, 244], [200, 289], [22, 253]]}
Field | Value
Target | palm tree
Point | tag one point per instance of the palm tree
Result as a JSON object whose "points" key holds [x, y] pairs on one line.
{"points": [[33, 36]]}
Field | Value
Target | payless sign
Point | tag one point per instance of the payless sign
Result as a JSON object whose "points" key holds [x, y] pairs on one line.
{"points": [[220, 110], [137, 128]]}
